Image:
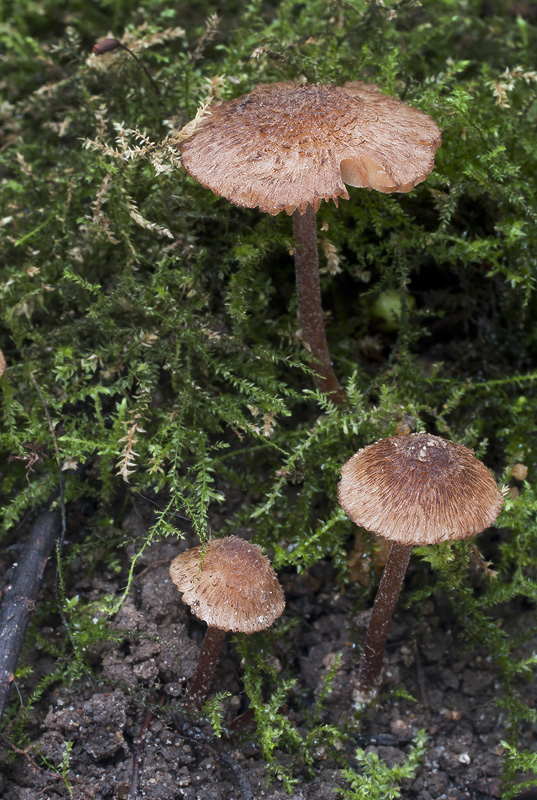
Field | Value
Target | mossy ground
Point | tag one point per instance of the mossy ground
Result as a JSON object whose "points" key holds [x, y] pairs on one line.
{"points": [[150, 328]]}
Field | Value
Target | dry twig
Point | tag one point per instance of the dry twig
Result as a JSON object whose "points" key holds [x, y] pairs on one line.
{"points": [[26, 754], [20, 596]]}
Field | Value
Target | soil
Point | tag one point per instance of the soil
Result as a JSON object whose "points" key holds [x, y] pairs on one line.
{"points": [[130, 740]]}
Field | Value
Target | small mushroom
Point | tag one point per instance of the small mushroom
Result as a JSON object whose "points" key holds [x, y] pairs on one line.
{"points": [[287, 146], [414, 489], [232, 587]]}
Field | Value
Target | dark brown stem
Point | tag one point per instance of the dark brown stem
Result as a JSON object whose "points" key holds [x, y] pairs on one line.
{"points": [[20, 596], [207, 661], [309, 302], [381, 616]]}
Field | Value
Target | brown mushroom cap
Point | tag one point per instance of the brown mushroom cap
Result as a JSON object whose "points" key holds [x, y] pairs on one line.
{"points": [[236, 588], [419, 489], [287, 145]]}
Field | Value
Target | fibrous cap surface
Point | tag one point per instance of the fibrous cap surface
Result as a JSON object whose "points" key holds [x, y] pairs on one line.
{"points": [[285, 146], [419, 489], [236, 588]]}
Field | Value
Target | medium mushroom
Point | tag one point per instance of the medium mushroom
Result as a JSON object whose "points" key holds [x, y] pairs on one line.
{"points": [[287, 146], [414, 489], [232, 587]]}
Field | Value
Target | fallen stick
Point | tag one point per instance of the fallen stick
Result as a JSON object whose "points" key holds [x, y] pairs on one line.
{"points": [[20, 596]]}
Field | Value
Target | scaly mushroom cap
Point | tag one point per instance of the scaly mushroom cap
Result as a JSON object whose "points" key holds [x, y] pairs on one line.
{"points": [[419, 489], [236, 588], [285, 146]]}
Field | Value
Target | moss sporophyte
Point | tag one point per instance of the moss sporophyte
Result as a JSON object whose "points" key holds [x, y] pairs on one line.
{"points": [[288, 146], [415, 489]]}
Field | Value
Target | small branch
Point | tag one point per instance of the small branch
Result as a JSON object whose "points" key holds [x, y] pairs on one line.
{"points": [[26, 754], [20, 596]]}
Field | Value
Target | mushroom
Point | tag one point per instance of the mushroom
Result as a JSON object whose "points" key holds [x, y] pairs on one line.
{"points": [[231, 585], [287, 146], [414, 489]]}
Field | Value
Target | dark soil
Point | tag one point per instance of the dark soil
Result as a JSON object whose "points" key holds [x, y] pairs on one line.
{"points": [[131, 741]]}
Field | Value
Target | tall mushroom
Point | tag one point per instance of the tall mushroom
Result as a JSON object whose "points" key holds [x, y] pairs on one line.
{"points": [[414, 489], [232, 587], [287, 146]]}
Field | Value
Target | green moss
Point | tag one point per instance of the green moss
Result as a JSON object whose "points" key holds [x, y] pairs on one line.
{"points": [[159, 322], [377, 781]]}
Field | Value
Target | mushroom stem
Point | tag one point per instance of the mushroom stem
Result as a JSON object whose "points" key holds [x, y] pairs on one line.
{"points": [[205, 669], [309, 301], [381, 616]]}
